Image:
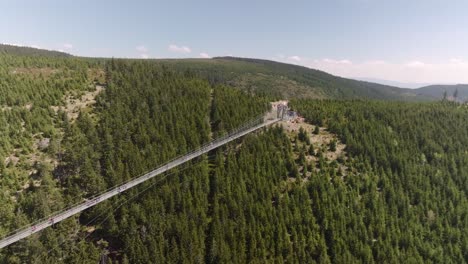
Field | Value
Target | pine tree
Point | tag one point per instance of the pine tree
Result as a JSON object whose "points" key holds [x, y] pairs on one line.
{"points": [[316, 130]]}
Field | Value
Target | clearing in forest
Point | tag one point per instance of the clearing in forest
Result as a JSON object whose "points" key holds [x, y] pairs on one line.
{"points": [[323, 142], [74, 105]]}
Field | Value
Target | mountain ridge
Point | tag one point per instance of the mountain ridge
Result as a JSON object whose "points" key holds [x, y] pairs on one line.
{"points": [[437, 91], [271, 78], [287, 81], [30, 51]]}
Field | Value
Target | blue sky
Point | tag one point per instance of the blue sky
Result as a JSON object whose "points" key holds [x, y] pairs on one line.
{"points": [[423, 41]]}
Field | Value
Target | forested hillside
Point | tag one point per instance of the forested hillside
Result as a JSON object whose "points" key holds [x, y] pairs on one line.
{"points": [[30, 131], [409, 201], [29, 51], [285, 81], [457, 92], [396, 194]]}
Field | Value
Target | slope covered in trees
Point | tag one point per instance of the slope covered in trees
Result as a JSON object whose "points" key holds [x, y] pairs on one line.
{"points": [[30, 131], [401, 199], [29, 51], [409, 203], [457, 92], [283, 80]]}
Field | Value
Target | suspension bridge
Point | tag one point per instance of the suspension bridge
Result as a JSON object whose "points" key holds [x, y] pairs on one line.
{"points": [[279, 112]]}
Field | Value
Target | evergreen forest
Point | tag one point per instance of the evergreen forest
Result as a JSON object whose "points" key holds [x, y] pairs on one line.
{"points": [[391, 185]]}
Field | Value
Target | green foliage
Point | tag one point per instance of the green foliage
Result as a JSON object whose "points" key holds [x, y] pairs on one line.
{"points": [[458, 92], [333, 145], [412, 164], [303, 136], [311, 151], [28, 51], [231, 108], [280, 80], [399, 196], [29, 86], [316, 130]]}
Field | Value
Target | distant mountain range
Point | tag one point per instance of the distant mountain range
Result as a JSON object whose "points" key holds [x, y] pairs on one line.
{"points": [[394, 83], [437, 91], [281, 80]]}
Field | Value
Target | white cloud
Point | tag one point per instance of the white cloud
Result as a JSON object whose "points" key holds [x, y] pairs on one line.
{"points": [[23, 45], [332, 61], [205, 55], [452, 70], [375, 62], [144, 56], [179, 49], [68, 46], [456, 61], [416, 64], [14, 44], [141, 49], [295, 58]]}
